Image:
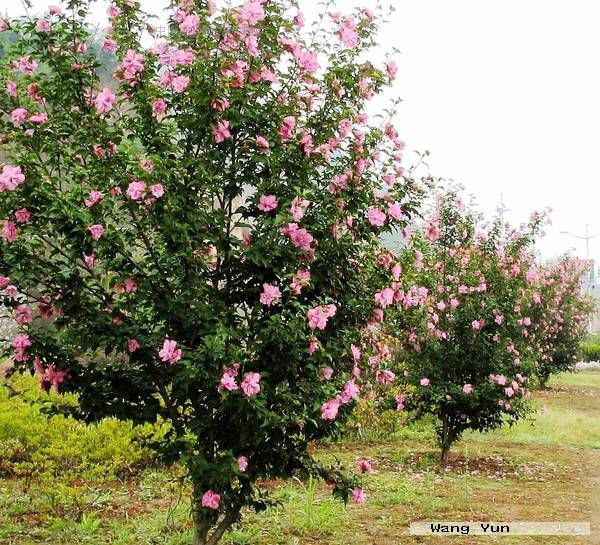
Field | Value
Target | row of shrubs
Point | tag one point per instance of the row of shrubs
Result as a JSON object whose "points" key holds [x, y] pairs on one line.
{"points": [[590, 352]]}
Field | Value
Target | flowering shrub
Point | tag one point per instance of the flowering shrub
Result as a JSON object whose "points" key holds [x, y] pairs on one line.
{"points": [[197, 239], [462, 318], [562, 314]]}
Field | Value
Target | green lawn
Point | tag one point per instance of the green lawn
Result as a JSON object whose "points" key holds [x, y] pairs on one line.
{"points": [[110, 492]]}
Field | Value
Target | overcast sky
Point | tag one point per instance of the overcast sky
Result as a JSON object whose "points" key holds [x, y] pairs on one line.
{"points": [[506, 97]]}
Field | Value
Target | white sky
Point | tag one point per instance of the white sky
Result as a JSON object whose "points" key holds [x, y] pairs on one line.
{"points": [[505, 95]]}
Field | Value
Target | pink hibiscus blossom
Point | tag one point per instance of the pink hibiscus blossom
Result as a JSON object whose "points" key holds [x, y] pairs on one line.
{"points": [[190, 24], [23, 314], [22, 215], [157, 190], [347, 32], [359, 496], [10, 178], [318, 316], [242, 462], [18, 115], [169, 352], [221, 131], [267, 203], [329, 409], [211, 500], [376, 216], [9, 231], [251, 13], [301, 280], [136, 190], [250, 385], [271, 295], [94, 198], [105, 100]]}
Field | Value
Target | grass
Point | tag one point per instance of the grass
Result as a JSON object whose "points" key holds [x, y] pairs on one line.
{"points": [[544, 470]]}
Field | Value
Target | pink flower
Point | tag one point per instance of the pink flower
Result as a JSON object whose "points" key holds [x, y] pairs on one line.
{"points": [[18, 115], [132, 345], [132, 65], [326, 373], [318, 316], [23, 314], [351, 391], [43, 25], [90, 260], [113, 11], [329, 409], [424, 382], [159, 107], [190, 24], [11, 88], [364, 466], [54, 377], [10, 178], [385, 377], [313, 346], [392, 69], [54, 10], [298, 206], [94, 198], [301, 280], [242, 462], [26, 66], [509, 392], [271, 295], [359, 496], [468, 389], [22, 215], [211, 500], [376, 216], [228, 380], [109, 45], [252, 12], [287, 128], [105, 100], [250, 385], [221, 131], [433, 232], [39, 118], [169, 352], [300, 238], [9, 231], [476, 324], [180, 83], [263, 144], [347, 32], [136, 190], [21, 342], [400, 402], [246, 238], [267, 203], [395, 211], [220, 104], [385, 297], [307, 60], [157, 190]]}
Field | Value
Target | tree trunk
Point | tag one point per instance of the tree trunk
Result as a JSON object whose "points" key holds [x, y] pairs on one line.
{"points": [[444, 456], [202, 526], [446, 439], [200, 530]]}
